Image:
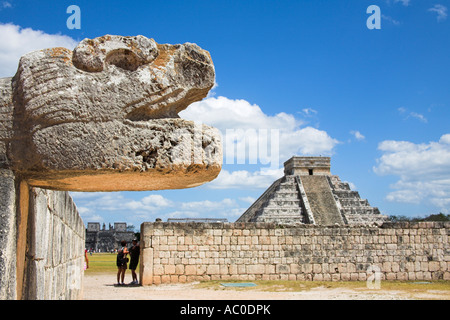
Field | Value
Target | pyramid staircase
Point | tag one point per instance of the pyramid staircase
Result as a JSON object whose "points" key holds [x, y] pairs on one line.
{"points": [[353, 209], [281, 203], [309, 194]]}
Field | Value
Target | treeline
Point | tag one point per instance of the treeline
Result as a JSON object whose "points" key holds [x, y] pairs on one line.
{"points": [[433, 217]]}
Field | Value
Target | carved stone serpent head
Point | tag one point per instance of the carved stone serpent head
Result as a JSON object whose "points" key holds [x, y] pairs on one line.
{"points": [[104, 117]]}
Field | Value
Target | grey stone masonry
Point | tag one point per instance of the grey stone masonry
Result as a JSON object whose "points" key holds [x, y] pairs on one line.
{"points": [[280, 205], [304, 166], [55, 247], [321, 199], [106, 240], [103, 117], [354, 210], [7, 235], [309, 194], [187, 252]]}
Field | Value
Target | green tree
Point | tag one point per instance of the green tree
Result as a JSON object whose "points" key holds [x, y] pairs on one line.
{"points": [[432, 217]]}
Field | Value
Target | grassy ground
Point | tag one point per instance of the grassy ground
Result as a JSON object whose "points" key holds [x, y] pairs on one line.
{"points": [[102, 263]]}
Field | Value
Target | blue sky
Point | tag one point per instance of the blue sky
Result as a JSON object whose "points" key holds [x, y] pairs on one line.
{"points": [[376, 101]]}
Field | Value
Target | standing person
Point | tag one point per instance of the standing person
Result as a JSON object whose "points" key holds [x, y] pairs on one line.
{"points": [[135, 250], [122, 262], [86, 260]]}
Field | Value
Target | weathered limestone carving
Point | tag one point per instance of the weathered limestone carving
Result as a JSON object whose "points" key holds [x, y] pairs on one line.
{"points": [[101, 118], [105, 117]]}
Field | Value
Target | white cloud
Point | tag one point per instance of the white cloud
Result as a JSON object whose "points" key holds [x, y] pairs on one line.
{"points": [[156, 200], [252, 137], [95, 206], [207, 205], [407, 114], [418, 116], [16, 41], [358, 136], [404, 2], [84, 210], [226, 208], [309, 111], [245, 179], [117, 202], [5, 5], [92, 217], [440, 10], [249, 200], [84, 195], [230, 115], [224, 113], [423, 171], [390, 19]]}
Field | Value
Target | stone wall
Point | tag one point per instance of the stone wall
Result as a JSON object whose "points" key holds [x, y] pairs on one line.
{"points": [[55, 247], [7, 235], [42, 239], [185, 252]]}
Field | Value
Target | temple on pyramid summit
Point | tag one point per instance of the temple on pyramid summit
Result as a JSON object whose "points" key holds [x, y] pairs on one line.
{"points": [[309, 194]]}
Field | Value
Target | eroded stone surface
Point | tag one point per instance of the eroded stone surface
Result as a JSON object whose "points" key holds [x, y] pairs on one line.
{"points": [[105, 116]]}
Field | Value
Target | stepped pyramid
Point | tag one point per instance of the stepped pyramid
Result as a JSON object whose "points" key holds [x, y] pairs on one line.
{"points": [[309, 194]]}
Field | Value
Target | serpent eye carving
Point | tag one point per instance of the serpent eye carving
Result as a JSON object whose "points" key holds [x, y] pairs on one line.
{"points": [[124, 59], [129, 53]]}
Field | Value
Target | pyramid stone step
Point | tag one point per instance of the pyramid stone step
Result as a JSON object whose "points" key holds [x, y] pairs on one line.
{"points": [[321, 200], [346, 202], [286, 192], [361, 211], [284, 203], [347, 194], [342, 186], [286, 196], [278, 211], [283, 220], [287, 186]]}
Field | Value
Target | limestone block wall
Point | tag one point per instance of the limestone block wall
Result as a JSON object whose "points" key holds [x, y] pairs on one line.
{"points": [[185, 252], [55, 247], [42, 242], [7, 235]]}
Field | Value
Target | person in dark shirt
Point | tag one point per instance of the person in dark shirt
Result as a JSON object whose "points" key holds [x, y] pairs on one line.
{"points": [[121, 262], [135, 250]]}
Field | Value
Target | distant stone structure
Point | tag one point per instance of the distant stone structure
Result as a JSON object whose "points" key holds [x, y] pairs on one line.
{"points": [[204, 220], [309, 194], [102, 240]]}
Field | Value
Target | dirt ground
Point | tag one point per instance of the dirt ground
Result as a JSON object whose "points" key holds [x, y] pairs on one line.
{"points": [[102, 287]]}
